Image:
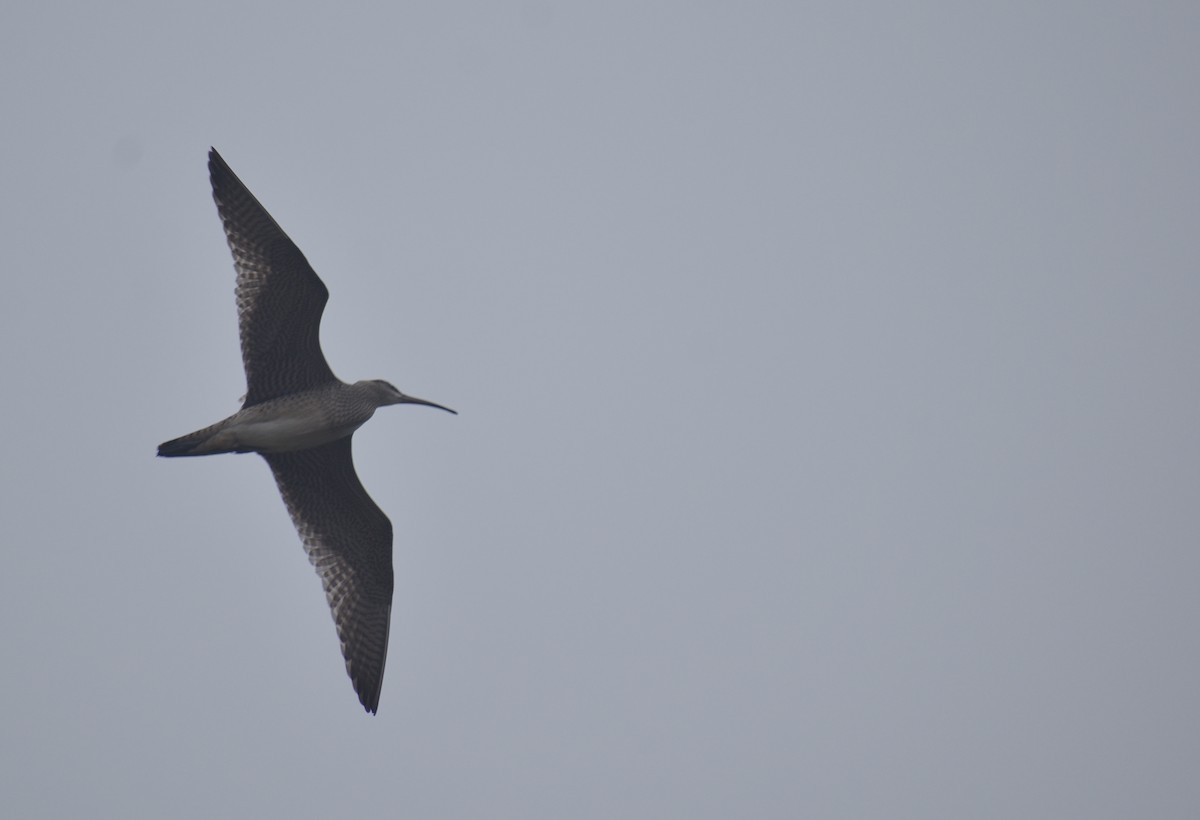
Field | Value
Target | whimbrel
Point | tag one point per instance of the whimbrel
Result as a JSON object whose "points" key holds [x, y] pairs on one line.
{"points": [[300, 418]]}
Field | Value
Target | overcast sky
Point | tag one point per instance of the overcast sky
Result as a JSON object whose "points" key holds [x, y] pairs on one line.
{"points": [[828, 384]]}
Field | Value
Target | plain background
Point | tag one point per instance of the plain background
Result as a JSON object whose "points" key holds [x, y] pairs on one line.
{"points": [[828, 385]]}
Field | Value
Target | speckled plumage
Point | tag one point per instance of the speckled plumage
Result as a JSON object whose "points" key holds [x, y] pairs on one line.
{"points": [[349, 541], [280, 298], [301, 418]]}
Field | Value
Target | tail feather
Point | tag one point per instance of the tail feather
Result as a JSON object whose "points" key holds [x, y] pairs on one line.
{"points": [[204, 442], [182, 446]]}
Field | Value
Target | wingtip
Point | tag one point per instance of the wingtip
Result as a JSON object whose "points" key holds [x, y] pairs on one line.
{"points": [[368, 699], [216, 162], [368, 691]]}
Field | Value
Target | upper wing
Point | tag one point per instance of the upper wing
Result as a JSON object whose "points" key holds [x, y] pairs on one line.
{"points": [[349, 541], [280, 298]]}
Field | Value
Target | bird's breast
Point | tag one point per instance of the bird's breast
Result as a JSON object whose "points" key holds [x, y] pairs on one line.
{"points": [[277, 430]]}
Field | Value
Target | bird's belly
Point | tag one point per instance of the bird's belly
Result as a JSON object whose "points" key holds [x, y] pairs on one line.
{"points": [[286, 433]]}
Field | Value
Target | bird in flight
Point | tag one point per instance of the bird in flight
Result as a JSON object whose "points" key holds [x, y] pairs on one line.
{"points": [[300, 418]]}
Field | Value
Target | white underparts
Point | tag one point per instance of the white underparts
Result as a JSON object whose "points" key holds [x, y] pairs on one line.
{"points": [[280, 434]]}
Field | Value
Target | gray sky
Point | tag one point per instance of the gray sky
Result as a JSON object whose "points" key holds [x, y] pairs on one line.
{"points": [[828, 384]]}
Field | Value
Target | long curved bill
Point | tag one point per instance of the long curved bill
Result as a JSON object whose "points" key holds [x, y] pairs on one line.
{"points": [[415, 400]]}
